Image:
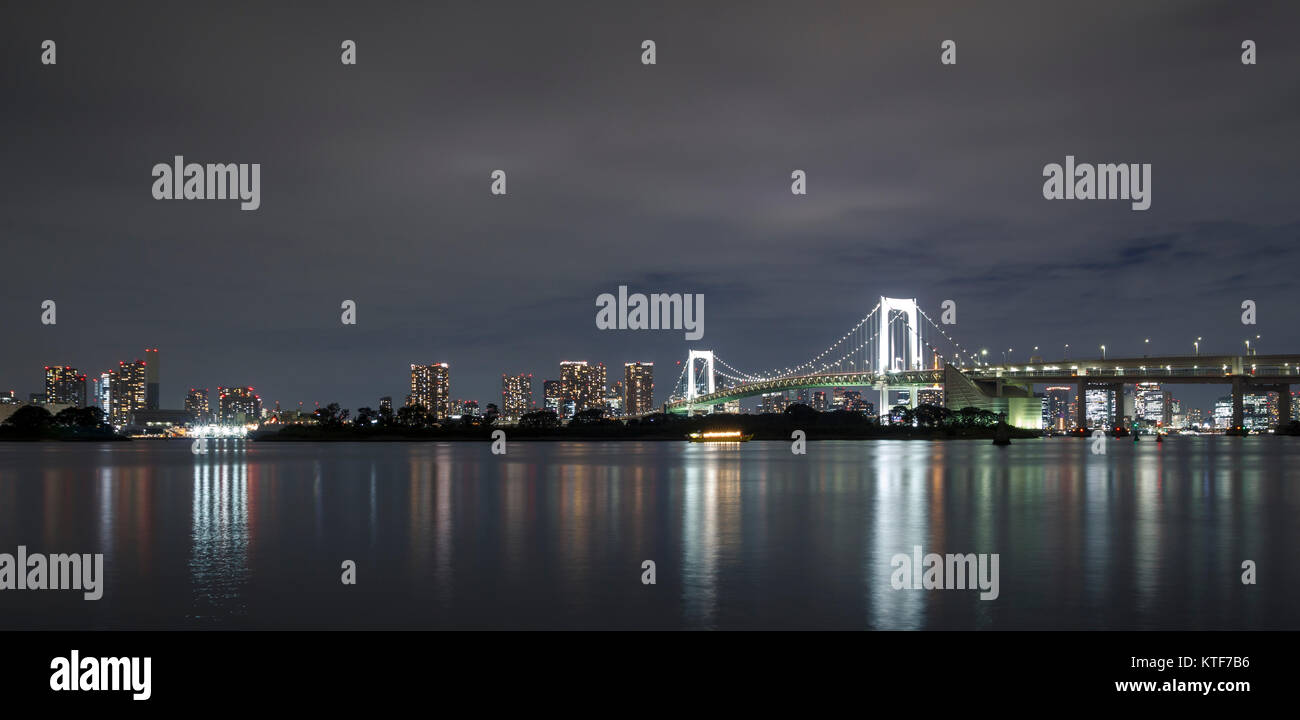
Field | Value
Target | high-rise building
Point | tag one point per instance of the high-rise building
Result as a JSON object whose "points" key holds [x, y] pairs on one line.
{"points": [[596, 384], [106, 393], [516, 395], [1260, 411], [1153, 404], [1100, 408], [127, 391], [639, 388], [196, 404], [582, 386], [773, 402], [553, 396], [1057, 413], [819, 401], [431, 388], [614, 399], [930, 396], [238, 405], [386, 405], [64, 386], [151, 372]]}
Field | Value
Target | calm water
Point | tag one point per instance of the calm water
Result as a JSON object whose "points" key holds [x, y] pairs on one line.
{"points": [[553, 535]]}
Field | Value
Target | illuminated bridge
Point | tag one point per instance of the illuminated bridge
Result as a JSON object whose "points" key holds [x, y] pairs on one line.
{"points": [[889, 350]]}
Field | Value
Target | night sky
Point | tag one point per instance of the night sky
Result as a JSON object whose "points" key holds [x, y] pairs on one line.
{"points": [[924, 181]]}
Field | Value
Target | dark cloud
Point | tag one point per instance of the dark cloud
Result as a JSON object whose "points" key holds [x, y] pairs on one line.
{"points": [[924, 181]]}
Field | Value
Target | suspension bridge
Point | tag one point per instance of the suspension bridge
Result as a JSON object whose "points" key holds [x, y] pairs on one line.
{"points": [[897, 346]]}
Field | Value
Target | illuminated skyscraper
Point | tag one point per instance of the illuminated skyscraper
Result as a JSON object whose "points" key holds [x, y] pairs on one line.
{"points": [[431, 388], [516, 395], [553, 396], [773, 402], [64, 386], [127, 391], [1152, 403], [596, 384], [1056, 408], [930, 396], [1100, 408], [819, 401], [582, 386], [638, 388], [196, 404], [238, 405]]}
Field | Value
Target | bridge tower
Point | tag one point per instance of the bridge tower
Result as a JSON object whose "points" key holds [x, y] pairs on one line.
{"points": [[707, 356], [887, 353], [885, 350]]}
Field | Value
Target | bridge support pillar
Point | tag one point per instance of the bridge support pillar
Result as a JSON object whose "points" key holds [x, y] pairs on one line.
{"points": [[1081, 407], [1238, 407], [1118, 389], [882, 411]]}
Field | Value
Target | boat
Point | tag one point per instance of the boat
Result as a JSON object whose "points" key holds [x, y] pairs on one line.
{"points": [[720, 436]]}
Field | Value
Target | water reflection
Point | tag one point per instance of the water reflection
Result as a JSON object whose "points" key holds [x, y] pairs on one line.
{"points": [[220, 529], [554, 534]]}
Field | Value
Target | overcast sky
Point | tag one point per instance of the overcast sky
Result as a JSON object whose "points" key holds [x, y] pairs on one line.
{"points": [[924, 181]]}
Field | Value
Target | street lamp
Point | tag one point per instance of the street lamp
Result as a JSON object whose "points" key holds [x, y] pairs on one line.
{"points": [[1146, 348], [1197, 345], [985, 353], [1103, 352], [1067, 351]]}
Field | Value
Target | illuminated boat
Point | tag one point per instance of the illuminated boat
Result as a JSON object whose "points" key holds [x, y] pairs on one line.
{"points": [[719, 436]]}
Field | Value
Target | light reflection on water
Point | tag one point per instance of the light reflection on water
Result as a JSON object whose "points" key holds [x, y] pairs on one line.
{"points": [[554, 534]]}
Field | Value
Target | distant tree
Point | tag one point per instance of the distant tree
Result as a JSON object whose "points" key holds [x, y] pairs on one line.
{"points": [[590, 416], [87, 417], [931, 415], [539, 420], [413, 416], [366, 416], [30, 420], [491, 414], [331, 415], [974, 417]]}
